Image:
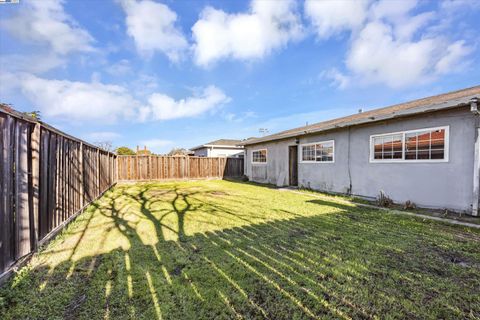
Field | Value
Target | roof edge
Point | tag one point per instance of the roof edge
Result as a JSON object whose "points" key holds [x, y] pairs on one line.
{"points": [[217, 146], [453, 103]]}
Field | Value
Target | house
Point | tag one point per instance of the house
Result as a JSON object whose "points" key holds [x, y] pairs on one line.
{"points": [[219, 148], [425, 151]]}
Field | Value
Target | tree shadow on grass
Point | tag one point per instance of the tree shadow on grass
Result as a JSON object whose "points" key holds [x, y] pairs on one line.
{"points": [[343, 264]]}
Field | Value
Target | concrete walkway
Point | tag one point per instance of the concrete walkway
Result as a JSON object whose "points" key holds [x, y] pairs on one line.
{"points": [[406, 213]]}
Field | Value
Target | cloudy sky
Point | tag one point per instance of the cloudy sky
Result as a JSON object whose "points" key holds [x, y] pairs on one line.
{"points": [[181, 73]]}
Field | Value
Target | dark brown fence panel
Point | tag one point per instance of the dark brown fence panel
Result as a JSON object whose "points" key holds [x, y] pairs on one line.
{"points": [[133, 168], [21, 191], [46, 178], [7, 253], [234, 167]]}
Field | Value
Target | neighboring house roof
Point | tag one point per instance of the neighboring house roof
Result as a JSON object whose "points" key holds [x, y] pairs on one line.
{"points": [[429, 104], [221, 143]]}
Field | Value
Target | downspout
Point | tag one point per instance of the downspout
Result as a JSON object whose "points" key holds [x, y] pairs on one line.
{"points": [[476, 159], [349, 192]]}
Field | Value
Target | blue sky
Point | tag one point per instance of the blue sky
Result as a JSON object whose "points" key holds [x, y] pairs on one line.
{"points": [[180, 73]]}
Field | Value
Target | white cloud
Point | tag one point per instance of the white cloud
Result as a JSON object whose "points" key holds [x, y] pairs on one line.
{"points": [[392, 9], [377, 56], [330, 17], [338, 79], [389, 44], [164, 107], [453, 57], [45, 22], [23, 63], [406, 28], [233, 117], [267, 26], [120, 68], [152, 26], [96, 101], [456, 5], [73, 100]]}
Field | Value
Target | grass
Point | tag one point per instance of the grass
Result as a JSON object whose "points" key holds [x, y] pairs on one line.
{"points": [[441, 213], [223, 250]]}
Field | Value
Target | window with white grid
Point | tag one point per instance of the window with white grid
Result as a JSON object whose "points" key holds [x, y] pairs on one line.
{"points": [[429, 144], [318, 152], [259, 156]]}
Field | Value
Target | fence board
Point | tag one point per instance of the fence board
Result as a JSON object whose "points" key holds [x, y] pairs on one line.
{"points": [[6, 210], [132, 168], [22, 211], [45, 176]]}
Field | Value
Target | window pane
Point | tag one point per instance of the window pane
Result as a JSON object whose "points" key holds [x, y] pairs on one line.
{"points": [[378, 144], [410, 155], [397, 144], [410, 141], [308, 153], [438, 154], [425, 145], [259, 156], [388, 147], [423, 155], [324, 152]]}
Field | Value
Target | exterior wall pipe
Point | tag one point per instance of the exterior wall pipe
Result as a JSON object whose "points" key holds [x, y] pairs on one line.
{"points": [[476, 163]]}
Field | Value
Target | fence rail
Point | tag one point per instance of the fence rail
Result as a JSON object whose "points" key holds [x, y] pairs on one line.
{"points": [[134, 168], [46, 178]]}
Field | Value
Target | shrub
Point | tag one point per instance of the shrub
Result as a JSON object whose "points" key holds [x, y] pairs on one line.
{"points": [[383, 200], [409, 205]]}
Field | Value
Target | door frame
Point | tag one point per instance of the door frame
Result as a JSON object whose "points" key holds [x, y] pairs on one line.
{"points": [[293, 166]]}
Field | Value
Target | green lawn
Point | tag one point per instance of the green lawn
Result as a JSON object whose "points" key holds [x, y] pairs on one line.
{"points": [[223, 250]]}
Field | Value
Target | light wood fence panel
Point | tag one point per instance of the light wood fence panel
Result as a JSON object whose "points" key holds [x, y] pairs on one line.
{"points": [[152, 167]]}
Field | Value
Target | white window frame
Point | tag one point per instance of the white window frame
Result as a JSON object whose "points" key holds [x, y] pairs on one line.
{"points": [[266, 156], [403, 133], [314, 143]]}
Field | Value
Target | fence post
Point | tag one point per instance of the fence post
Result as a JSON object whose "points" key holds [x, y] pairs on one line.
{"points": [[35, 189], [82, 174], [97, 191]]}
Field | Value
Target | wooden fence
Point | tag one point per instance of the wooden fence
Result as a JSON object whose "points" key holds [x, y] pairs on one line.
{"points": [[46, 178], [134, 168]]}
